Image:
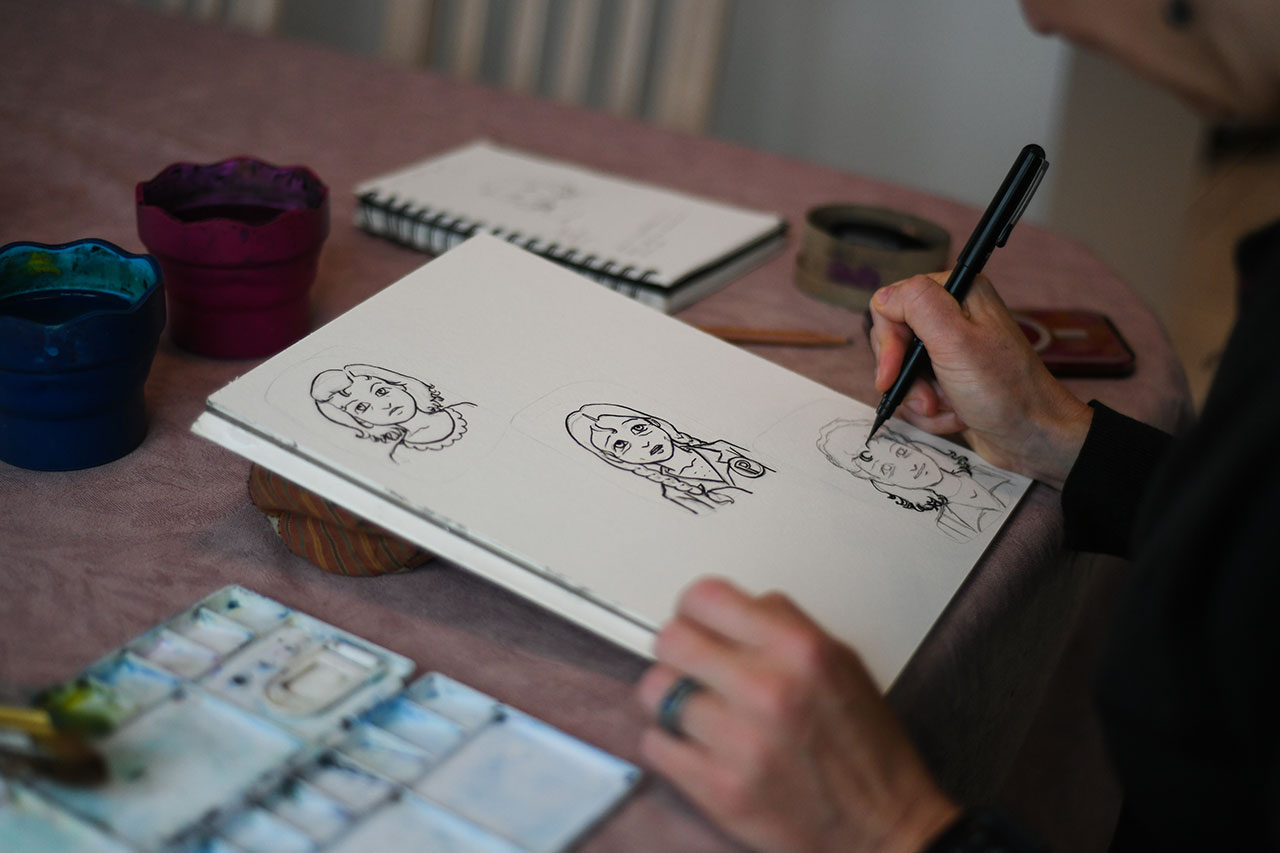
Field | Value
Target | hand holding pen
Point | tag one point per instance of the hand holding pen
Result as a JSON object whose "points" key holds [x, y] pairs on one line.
{"points": [[992, 232], [988, 385]]}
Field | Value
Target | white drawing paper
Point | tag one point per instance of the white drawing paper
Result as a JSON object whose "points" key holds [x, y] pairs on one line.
{"points": [[611, 455]]}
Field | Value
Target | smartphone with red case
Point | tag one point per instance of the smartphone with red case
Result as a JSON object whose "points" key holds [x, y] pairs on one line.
{"points": [[1076, 342]]}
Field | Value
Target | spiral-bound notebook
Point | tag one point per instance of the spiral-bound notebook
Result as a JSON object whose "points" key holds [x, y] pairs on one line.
{"points": [[661, 247]]}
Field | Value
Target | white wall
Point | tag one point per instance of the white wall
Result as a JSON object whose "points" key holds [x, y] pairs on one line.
{"points": [[936, 95], [941, 96], [1131, 153]]}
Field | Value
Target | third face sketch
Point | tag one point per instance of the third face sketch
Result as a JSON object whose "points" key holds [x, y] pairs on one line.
{"points": [[965, 498], [388, 407], [691, 473]]}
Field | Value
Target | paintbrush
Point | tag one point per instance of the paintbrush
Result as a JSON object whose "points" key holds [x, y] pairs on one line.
{"points": [[56, 743], [776, 337], [66, 758]]}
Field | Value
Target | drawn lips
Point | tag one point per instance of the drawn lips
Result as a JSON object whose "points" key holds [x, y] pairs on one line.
{"points": [[656, 449]]}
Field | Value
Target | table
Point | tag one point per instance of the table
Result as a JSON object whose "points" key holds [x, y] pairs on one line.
{"points": [[95, 96]]}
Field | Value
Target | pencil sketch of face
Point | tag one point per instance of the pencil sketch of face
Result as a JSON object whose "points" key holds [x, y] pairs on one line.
{"points": [[635, 440], [377, 402], [384, 406], [694, 474], [888, 460], [918, 476]]}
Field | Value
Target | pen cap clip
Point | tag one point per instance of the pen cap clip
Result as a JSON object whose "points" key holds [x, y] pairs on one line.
{"points": [[1022, 205]]}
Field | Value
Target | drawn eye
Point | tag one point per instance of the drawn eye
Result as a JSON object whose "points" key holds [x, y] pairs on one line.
{"points": [[382, 392], [899, 452], [886, 470], [361, 408], [621, 446], [639, 429]]}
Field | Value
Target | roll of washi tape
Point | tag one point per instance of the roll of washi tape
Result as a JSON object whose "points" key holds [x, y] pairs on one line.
{"points": [[848, 251]]}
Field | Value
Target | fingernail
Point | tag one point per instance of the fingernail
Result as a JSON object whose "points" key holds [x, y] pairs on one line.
{"points": [[882, 295]]}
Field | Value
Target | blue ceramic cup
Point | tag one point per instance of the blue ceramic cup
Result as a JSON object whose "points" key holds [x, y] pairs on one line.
{"points": [[79, 324]]}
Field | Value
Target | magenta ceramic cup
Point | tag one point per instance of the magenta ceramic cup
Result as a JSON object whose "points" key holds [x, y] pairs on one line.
{"points": [[239, 242]]}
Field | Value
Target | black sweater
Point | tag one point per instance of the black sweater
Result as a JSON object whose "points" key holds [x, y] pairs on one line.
{"points": [[1190, 678], [1189, 686]]}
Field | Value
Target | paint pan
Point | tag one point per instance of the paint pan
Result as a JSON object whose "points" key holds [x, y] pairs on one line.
{"points": [[524, 780], [319, 816], [245, 607], [172, 764], [259, 831], [212, 630], [175, 653], [429, 827], [110, 693], [386, 754], [321, 678], [29, 822], [210, 845], [466, 706], [132, 684], [353, 786], [435, 734], [307, 678]]}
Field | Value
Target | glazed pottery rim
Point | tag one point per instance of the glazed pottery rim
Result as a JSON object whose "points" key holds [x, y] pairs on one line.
{"points": [[318, 188], [135, 303]]}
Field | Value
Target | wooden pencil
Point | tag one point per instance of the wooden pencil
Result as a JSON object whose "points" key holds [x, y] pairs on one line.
{"points": [[775, 337]]}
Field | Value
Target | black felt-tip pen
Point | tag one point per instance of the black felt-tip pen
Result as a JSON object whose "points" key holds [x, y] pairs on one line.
{"points": [[992, 232]]}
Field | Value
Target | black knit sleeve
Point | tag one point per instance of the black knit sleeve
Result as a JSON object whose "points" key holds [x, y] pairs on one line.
{"points": [[1101, 496], [985, 829]]}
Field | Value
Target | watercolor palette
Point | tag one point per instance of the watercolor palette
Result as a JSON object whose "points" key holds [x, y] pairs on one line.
{"points": [[242, 725]]}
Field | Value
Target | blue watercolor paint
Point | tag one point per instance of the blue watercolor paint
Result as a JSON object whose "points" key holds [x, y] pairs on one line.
{"points": [[319, 816], [223, 708], [209, 845], [172, 764], [175, 653], [260, 831], [429, 827], [467, 707], [436, 734], [128, 686], [385, 754], [207, 628], [353, 786], [523, 779], [29, 822], [133, 680], [253, 611]]}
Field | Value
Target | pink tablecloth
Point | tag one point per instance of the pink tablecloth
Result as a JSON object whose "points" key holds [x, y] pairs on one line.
{"points": [[95, 96]]}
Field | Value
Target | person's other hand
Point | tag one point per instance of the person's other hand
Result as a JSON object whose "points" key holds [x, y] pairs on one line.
{"points": [[988, 384], [789, 744]]}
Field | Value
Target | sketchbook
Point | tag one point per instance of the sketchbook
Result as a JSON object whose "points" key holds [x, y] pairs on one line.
{"points": [[596, 456], [242, 725], [661, 247]]}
